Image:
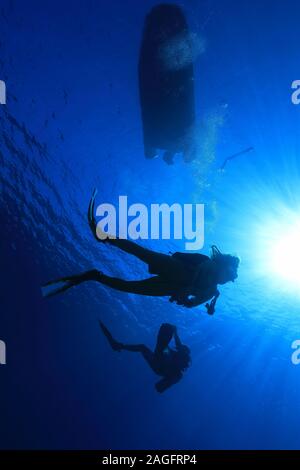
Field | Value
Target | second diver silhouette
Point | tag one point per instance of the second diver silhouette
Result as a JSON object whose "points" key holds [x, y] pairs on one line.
{"points": [[189, 279], [166, 362]]}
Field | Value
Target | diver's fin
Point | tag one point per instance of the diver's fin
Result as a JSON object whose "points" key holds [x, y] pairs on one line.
{"points": [[91, 216], [113, 343], [97, 232], [56, 281], [56, 287]]}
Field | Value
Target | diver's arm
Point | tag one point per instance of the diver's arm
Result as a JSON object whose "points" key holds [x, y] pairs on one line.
{"points": [[211, 306], [166, 383]]}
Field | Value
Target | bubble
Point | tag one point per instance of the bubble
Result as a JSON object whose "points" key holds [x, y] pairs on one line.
{"points": [[181, 51]]}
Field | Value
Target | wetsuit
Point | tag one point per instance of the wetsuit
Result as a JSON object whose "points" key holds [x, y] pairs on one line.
{"points": [[178, 277]]}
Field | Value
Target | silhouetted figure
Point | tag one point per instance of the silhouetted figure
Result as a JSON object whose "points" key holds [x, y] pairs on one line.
{"points": [[189, 279], [164, 361]]}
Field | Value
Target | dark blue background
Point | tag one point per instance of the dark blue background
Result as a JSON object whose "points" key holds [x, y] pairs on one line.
{"points": [[71, 75]]}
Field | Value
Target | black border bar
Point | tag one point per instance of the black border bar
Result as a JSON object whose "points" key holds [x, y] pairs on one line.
{"points": [[125, 459]]}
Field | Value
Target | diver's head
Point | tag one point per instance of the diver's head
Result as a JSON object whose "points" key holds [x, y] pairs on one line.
{"points": [[183, 358], [227, 266]]}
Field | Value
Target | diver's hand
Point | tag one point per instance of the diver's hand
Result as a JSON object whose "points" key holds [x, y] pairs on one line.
{"points": [[211, 306], [210, 309]]}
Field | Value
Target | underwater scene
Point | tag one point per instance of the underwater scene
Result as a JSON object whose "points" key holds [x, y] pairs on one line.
{"points": [[150, 224]]}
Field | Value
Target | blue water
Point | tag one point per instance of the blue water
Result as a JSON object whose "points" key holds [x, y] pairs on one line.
{"points": [[72, 123]]}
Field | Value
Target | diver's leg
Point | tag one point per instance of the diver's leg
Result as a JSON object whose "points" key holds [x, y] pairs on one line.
{"points": [[165, 334], [141, 348], [133, 249], [153, 286], [115, 345], [158, 263], [144, 350], [123, 244]]}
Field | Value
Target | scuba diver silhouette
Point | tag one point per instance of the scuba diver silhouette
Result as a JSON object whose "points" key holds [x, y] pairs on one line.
{"points": [[164, 361], [189, 279]]}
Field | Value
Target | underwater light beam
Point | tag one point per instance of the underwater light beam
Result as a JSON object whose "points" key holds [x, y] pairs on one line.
{"points": [[278, 250], [285, 255]]}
